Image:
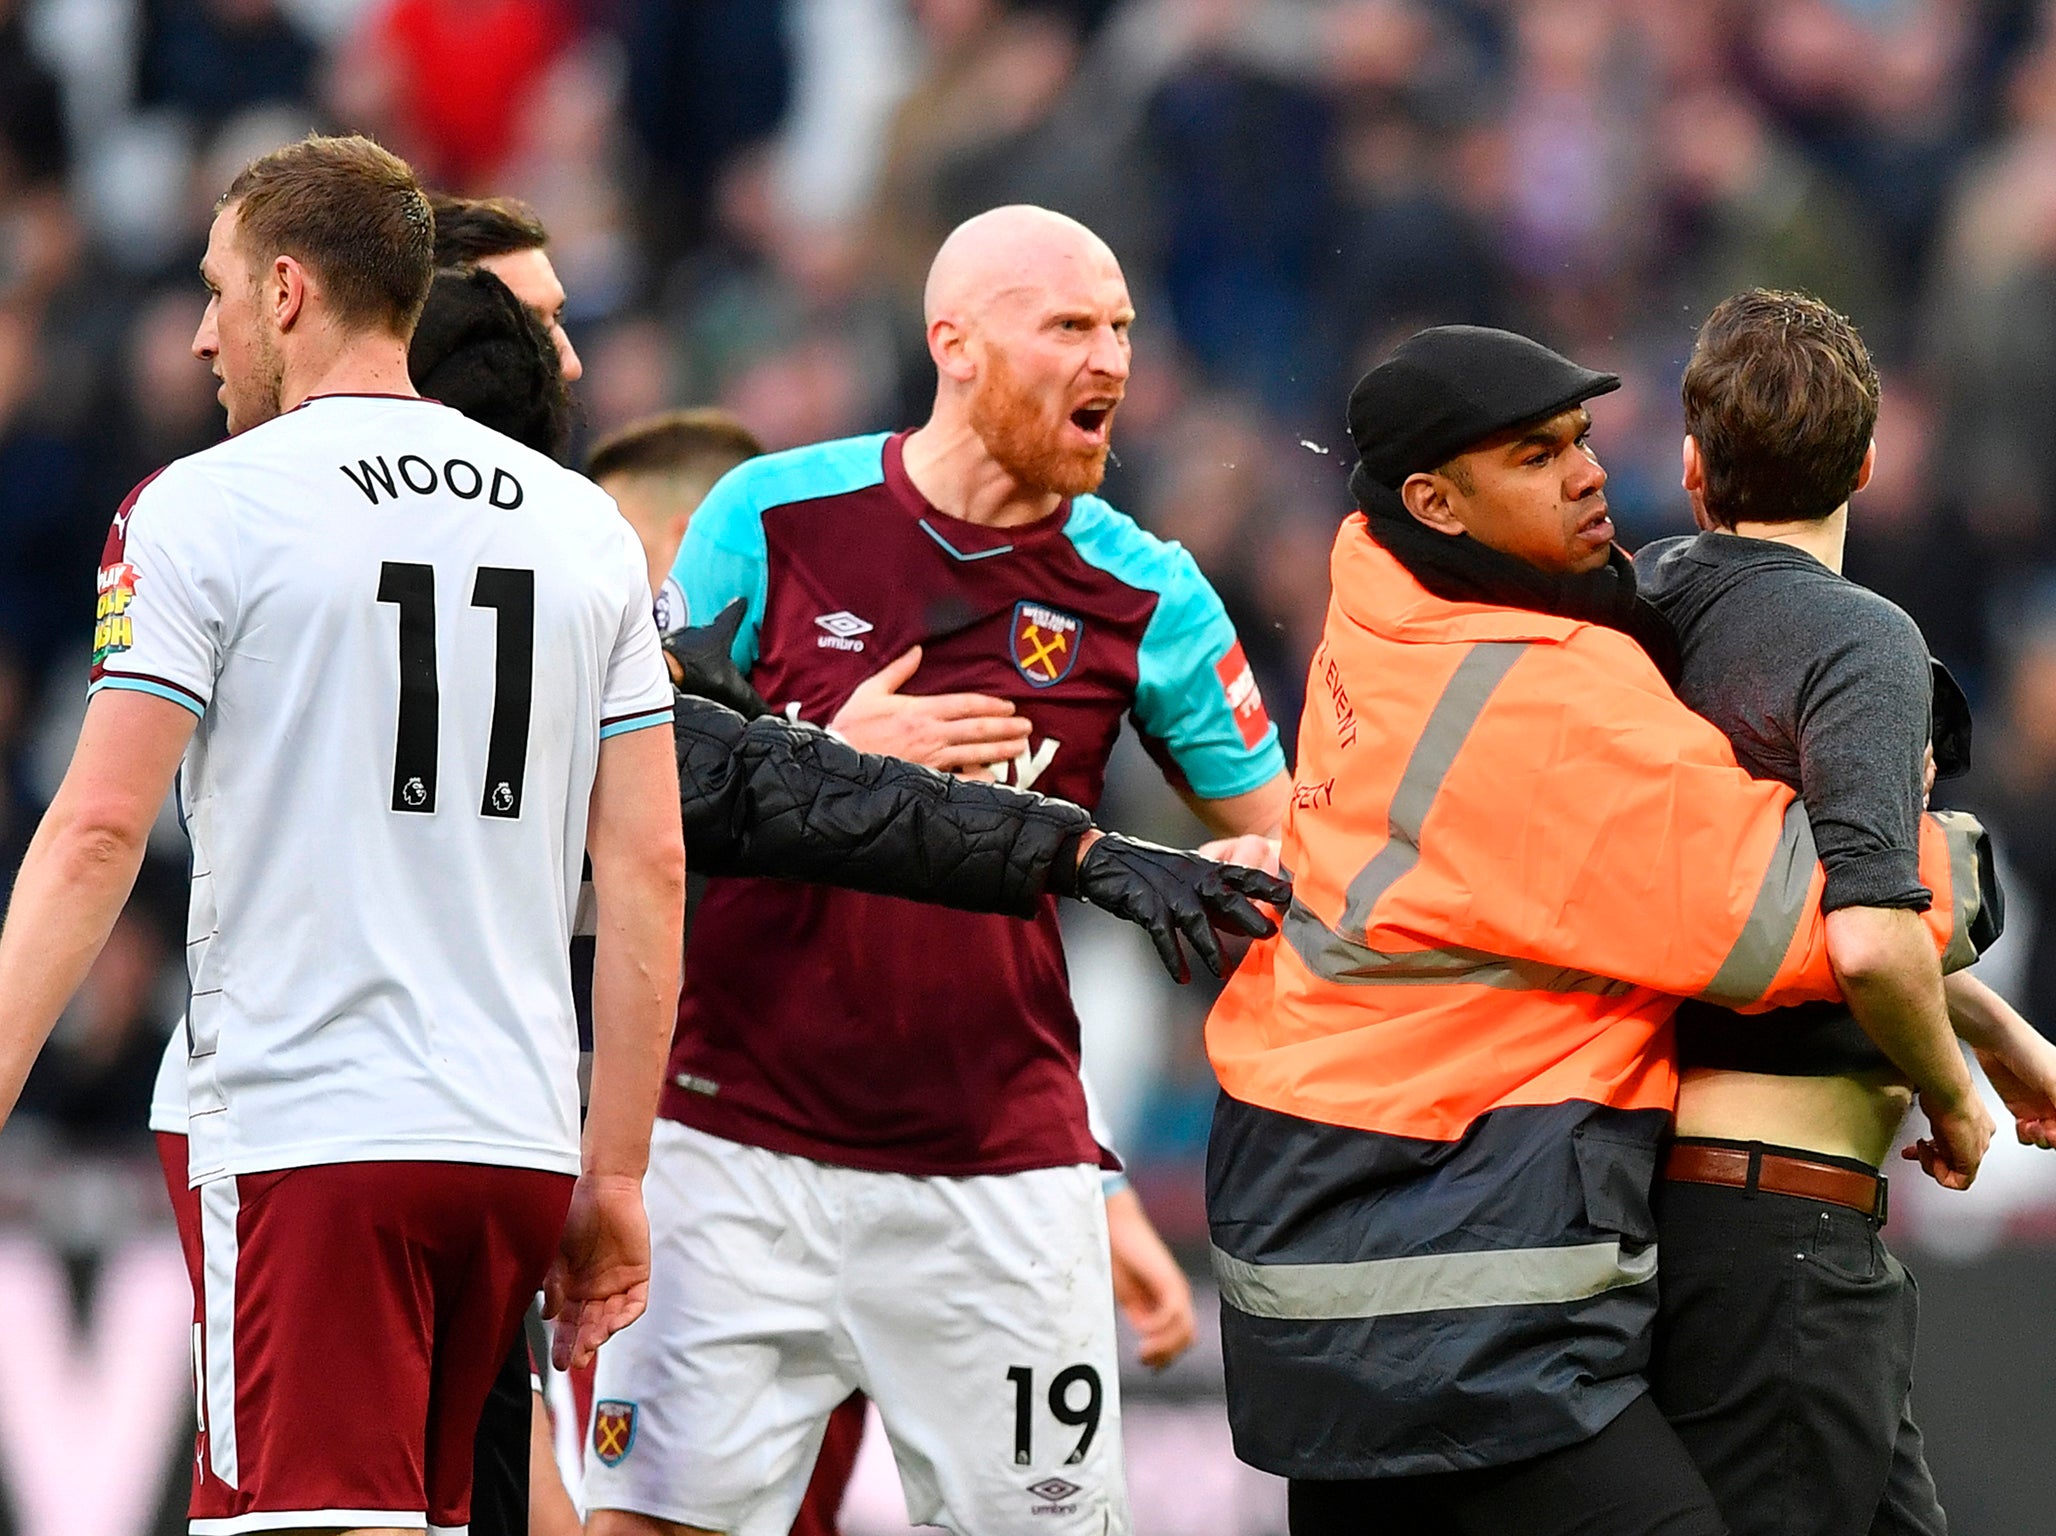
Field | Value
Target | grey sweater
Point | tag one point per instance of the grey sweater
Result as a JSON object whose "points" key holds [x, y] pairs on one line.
{"points": [[1823, 685]]}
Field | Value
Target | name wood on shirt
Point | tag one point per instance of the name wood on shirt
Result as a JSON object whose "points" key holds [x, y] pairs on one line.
{"points": [[410, 471]]}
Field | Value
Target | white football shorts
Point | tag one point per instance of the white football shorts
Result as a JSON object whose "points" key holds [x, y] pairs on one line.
{"points": [[977, 1313]]}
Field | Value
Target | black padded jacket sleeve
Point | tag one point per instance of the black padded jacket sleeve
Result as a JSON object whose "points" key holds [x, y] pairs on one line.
{"points": [[771, 798]]}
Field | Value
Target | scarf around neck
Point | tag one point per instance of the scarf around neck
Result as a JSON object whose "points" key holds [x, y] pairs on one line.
{"points": [[1459, 569]]}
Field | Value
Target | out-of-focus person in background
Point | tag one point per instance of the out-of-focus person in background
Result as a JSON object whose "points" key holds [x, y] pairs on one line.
{"points": [[659, 470], [502, 235]]}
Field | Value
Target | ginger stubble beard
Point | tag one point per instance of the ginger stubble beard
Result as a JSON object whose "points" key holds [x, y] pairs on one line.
{"points": [[1019, 434]]}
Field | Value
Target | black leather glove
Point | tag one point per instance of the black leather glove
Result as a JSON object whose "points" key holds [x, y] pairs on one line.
{"points": [[702, 663], [1168, 894]]}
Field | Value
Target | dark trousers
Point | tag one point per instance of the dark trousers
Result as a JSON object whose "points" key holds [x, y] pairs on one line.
{"points": [[499, 1456], [1784, 1359], [1631, 1479]]}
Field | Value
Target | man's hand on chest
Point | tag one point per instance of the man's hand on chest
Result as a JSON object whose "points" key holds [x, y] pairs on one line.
{"points": [[953, 732]]}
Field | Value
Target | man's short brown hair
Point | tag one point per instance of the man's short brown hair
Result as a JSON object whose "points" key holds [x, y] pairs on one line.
{"points": [[353, 214], [1782, 398], [699, 445], [469, 230]]}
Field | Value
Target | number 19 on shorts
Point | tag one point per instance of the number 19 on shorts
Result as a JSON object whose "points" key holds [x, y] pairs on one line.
{"points": [[1075, 1399]]}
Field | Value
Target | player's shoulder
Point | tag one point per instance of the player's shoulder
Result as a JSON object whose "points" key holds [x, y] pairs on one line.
{"points": [[1823, 608], [175, 496], [817, 470], [1109, 540]]}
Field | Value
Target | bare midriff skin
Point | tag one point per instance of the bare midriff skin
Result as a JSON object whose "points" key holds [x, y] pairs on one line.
{"points": [[1850, 1116]]}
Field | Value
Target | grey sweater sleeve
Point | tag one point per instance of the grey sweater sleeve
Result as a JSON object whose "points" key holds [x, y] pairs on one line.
{"points": [[1862, 740]]}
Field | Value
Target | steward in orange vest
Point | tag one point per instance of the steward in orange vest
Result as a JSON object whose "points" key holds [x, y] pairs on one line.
{"points": [[1445, 1081]]}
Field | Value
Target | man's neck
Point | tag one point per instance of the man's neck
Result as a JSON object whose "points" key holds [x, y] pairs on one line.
{"points": [[950, 466], [363, 366], [1823, 539]]}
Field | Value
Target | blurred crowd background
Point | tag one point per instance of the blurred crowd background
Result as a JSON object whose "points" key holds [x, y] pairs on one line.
{"points": [[743, 196]]}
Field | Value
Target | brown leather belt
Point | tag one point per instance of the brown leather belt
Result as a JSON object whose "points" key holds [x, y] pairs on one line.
{"points": [[1779, 1173]]}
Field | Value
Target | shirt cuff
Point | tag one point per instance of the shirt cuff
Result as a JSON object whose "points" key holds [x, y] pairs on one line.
{"points": [[1883, 877]]}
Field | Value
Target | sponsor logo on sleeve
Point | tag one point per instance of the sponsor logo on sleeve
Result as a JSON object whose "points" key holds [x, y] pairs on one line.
{"points": [[613, 1431], [113, 630], [1046, 642], [1238, 687], [842, 628]]}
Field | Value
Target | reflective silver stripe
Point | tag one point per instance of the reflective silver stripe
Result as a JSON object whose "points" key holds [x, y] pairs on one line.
{"points": [[1782, 901], [1435, 1282], [1449, 725], [1352, 963], [1960, 830]]}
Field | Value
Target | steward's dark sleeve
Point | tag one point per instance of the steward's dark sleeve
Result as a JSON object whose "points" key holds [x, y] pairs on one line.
{"points": [[771, 798]]}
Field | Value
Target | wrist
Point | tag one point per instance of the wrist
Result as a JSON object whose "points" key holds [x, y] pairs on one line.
{"points": [[611, 1176], [1061, 876], [1952, 1096]]}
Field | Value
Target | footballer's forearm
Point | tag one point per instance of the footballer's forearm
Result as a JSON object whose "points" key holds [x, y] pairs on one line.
{"points": [[70, 889], [638, 859], [81, 865]]}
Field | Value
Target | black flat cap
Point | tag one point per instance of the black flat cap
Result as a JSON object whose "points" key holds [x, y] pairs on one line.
{"points": [[1447, 389]]}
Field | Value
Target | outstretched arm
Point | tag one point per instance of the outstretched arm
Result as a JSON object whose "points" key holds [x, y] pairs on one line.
{"points": [[771, 798]]}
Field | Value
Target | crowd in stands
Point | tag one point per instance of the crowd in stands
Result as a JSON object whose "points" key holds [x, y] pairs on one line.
{"points": [[743, 196]]}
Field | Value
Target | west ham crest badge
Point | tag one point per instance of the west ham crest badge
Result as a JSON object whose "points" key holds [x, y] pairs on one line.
{"points": [[613, 1431], [1046, 643]]}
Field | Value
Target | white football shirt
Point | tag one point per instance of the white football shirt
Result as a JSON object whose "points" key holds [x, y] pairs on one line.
{"points": [[404, 636]]}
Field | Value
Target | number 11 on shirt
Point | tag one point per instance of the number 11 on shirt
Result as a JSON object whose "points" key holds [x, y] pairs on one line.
{"points": [[511, 594]]}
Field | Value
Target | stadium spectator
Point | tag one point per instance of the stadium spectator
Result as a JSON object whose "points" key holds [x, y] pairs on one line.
{"points": [[215, 58], [446, 78]]}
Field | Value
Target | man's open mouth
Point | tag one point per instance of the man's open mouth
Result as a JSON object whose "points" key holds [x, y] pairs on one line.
{"points": [[1092, 417]]}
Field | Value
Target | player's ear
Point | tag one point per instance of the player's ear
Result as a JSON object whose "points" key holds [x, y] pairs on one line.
{"points": [[949, 344], [285, 291], [1427, 498], [1863, 470], [1694, 482]]}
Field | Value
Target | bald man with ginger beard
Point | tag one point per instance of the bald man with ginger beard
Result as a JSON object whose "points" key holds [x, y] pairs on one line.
{"points": [[873, 1169]]}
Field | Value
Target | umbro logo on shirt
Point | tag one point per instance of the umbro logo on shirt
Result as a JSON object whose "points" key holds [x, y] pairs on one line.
{"points": [[843, 628], [1054, 1496]]}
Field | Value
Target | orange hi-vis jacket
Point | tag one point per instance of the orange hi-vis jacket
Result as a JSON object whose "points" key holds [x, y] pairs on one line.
{"points": [[1513, 851]]}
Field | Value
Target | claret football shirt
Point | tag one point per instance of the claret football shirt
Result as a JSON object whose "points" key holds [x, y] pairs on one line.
{"points": [[404, 637], [872, 1031]]}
